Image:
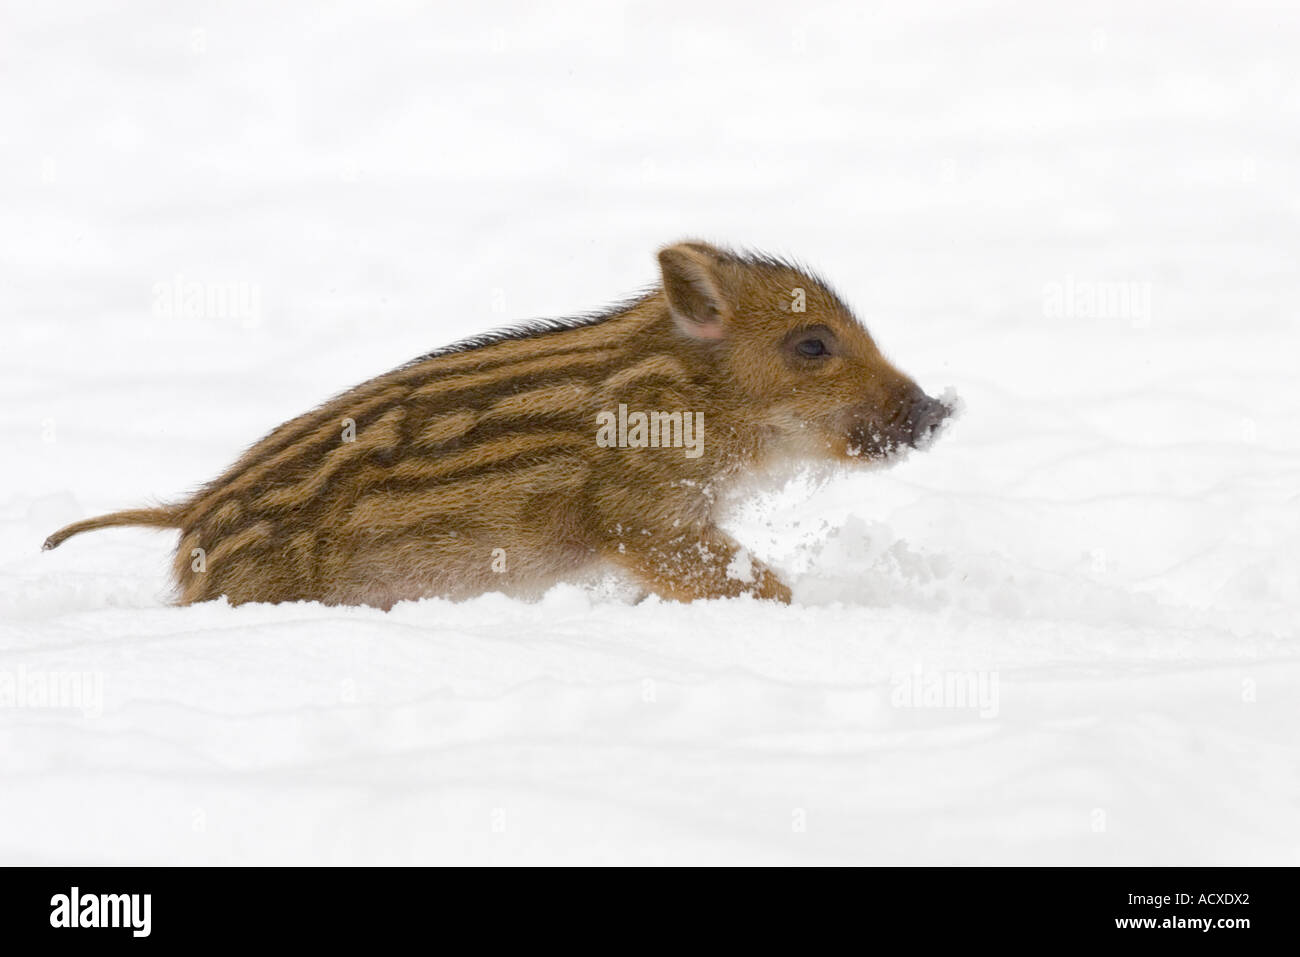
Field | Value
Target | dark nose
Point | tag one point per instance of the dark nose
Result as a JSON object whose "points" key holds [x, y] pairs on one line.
{"points": [[924, 416]]}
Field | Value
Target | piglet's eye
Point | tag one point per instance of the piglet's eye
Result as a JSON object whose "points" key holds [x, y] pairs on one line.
{"points": [[812, 348]]}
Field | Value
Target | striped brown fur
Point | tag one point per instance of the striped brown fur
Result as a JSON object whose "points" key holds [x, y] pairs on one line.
{"points": [[478, 468]]}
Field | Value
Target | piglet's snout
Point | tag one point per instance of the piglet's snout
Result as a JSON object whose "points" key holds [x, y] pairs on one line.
{"points": [[923, 417]]}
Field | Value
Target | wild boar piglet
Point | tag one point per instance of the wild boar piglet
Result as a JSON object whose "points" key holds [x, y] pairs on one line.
{"points": [[518, 459]]}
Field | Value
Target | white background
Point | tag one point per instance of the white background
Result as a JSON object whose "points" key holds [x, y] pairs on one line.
{"points": [[1111, 532]]}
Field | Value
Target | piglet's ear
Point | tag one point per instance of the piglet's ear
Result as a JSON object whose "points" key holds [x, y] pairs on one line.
{"points": [[693, 290]]}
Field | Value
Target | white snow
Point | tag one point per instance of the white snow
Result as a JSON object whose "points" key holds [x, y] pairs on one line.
{"points": [[1064, 634]]}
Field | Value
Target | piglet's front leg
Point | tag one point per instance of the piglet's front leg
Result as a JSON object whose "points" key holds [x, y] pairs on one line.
{"points": [[702, 563]]}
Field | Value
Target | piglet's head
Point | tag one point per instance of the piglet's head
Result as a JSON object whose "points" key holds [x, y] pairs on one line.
{"points": [[803, 365]]}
